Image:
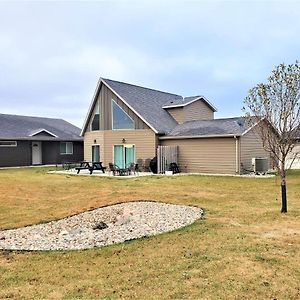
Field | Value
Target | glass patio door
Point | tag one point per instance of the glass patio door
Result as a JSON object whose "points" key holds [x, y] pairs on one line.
{"points": [[124, 155], [119, 156]]}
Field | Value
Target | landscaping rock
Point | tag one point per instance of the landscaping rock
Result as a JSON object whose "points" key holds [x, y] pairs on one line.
{"points": [[123, 222]]}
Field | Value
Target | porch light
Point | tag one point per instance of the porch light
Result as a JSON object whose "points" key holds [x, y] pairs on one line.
{"points": [[123, 140]]}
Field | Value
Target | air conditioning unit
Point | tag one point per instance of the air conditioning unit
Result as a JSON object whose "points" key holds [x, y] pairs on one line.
{"points": [[260, 165]]}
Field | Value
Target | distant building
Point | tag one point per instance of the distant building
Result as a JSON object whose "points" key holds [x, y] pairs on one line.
{"points": [[26, 141]]}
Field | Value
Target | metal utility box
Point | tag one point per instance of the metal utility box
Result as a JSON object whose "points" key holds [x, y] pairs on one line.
{"points": [[260, 165]]}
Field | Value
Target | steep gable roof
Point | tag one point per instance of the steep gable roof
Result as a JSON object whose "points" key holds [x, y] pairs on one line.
{"points": [[148, 104], [216, 127], [25, 127]]}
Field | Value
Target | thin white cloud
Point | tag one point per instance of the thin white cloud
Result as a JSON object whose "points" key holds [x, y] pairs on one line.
{"points": [[52, 53]]}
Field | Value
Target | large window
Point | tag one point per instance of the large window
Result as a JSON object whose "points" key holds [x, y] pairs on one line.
{"points": [[8, 143], [66, 148], [120, 119], [95, 125]]}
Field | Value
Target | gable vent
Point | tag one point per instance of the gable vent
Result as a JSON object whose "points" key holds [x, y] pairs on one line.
{"points": [[43, 132]]}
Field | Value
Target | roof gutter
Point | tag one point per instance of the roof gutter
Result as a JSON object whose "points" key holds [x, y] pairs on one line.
{"points": [[197, 136]]}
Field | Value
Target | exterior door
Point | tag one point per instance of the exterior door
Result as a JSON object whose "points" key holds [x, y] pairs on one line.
{"points": [[95, 153], [36, 153]]}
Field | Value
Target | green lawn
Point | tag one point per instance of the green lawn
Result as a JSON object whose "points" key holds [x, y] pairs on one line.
{"points": [[244, 248]]}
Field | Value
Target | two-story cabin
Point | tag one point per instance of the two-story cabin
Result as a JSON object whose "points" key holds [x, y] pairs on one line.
{"points": [[126, 123]]}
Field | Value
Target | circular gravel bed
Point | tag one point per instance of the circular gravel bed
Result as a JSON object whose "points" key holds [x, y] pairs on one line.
{"points": [[101, 227]]}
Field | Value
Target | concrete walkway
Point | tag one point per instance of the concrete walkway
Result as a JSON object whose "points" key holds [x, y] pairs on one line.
{"points": [[100, 174], [143, 174]]}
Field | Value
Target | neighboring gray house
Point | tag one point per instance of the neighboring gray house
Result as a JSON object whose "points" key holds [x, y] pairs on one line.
{"points": [[28, 141], [126, 123]]}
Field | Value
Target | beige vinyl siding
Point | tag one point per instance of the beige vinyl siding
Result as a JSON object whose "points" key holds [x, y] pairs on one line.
{"points": [[93, 138], [205, 155], [252, 146], [177, 113], [144, 140], [198, 110]]}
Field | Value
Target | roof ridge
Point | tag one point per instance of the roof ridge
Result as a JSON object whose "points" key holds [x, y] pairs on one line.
{"points": [[143, 87], [15, 115], [195, 96]]}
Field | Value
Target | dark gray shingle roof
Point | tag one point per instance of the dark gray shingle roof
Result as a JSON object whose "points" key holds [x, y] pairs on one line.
{"points": [[229, 126], [147, 103], [22, 127]]}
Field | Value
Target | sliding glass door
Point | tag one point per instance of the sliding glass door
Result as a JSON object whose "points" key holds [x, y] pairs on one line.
{"points": [[119, 156], [124, 155]]}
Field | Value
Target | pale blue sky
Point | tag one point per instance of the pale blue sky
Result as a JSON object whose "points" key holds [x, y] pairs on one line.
{"points": [[52, 53]]}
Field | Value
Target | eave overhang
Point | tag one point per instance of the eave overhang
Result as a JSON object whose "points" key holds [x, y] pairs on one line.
{"points": [[181, 137]]}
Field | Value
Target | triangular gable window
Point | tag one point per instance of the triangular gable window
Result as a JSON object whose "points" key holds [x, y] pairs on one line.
{"points": [[120, 119]]}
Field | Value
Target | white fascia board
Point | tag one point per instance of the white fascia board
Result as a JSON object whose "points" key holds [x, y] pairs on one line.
{"points": [[41, 130], [90, 107], [262, 119], [107, 85], [192, 101], [198, 137], [250, 128]]}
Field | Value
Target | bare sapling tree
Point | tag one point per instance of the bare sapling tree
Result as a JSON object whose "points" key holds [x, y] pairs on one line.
{"points": [[275, 107]]}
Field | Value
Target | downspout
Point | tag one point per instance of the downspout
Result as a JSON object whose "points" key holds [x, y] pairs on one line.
{"points": [[237, 167]]}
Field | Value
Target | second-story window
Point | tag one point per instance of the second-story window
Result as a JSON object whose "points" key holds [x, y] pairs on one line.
{"points": [[120, 119], [95, 125]]}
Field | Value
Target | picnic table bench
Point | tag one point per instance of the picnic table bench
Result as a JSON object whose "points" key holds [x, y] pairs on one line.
{"points": [[91, 166]]}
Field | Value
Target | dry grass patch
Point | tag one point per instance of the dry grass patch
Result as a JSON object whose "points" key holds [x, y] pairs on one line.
{"points": [[244, 249]]}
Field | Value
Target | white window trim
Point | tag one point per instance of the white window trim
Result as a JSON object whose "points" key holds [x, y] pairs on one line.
{"points": [[66, 148], [15, 143], [112, 117]]}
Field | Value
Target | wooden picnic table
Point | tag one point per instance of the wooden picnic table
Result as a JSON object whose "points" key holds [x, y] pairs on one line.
{"points": [[91, 166]]}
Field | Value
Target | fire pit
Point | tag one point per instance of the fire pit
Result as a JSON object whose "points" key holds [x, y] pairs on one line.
{"points": [[100, 226]]}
